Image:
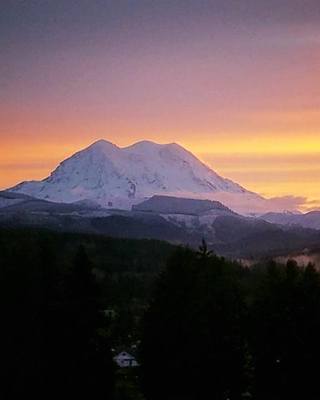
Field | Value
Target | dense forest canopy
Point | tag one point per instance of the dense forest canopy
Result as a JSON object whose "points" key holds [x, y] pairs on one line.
{"points": [[199, 323]]}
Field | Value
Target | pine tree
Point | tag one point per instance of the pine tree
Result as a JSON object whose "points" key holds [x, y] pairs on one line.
{"points": [[192, 343]]}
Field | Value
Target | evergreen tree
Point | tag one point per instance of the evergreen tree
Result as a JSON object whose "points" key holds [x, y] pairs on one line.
{"points": [[89, 368], [285, 333], [192, 343], [53, 336], [203, 251]]}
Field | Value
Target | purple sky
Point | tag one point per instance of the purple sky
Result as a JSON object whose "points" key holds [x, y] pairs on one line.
{"points": [[230, 80]]}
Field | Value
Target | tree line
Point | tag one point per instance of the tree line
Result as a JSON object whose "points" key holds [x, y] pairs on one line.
{"points": [[217, 330], [54, 339]]}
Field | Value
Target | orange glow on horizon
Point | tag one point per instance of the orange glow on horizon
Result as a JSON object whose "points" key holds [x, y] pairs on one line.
{"points": [[272, 166]]}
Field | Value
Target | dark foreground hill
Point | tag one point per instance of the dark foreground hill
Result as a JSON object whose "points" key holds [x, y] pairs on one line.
{"points": [[127, 266]]}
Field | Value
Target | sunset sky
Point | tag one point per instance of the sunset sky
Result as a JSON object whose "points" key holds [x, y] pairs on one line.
{"points": [[237, 82]]}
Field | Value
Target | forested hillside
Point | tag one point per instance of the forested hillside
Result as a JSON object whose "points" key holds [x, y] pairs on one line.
{"points": [[195, 322]]}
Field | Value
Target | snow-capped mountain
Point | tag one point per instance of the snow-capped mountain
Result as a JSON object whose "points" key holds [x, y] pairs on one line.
{"points": [[120, 177]]}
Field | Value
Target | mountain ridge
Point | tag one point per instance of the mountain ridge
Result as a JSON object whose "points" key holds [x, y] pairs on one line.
{"points": [[122, 176], [227, 233]]}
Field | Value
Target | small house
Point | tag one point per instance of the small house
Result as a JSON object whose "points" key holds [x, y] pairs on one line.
{"points": [[125, 360]]}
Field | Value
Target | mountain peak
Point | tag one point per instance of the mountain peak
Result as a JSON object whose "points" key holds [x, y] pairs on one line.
{"points": [[145, 143], [142, 145], [122, 176], [102, 144]]}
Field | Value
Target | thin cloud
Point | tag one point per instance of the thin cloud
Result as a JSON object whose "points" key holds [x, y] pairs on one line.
{"points": [[289, 203]]}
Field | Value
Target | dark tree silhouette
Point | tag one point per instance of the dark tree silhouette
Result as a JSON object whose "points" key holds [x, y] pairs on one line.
{"points": [[203, 251], [192, 343], [53, 336], [285, 333], [89, 369]]}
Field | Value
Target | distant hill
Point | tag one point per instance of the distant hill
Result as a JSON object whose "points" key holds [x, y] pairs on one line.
{"points": [[250, 237], [308, 220], [176, 205], [13, 201], [176, 220]]}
